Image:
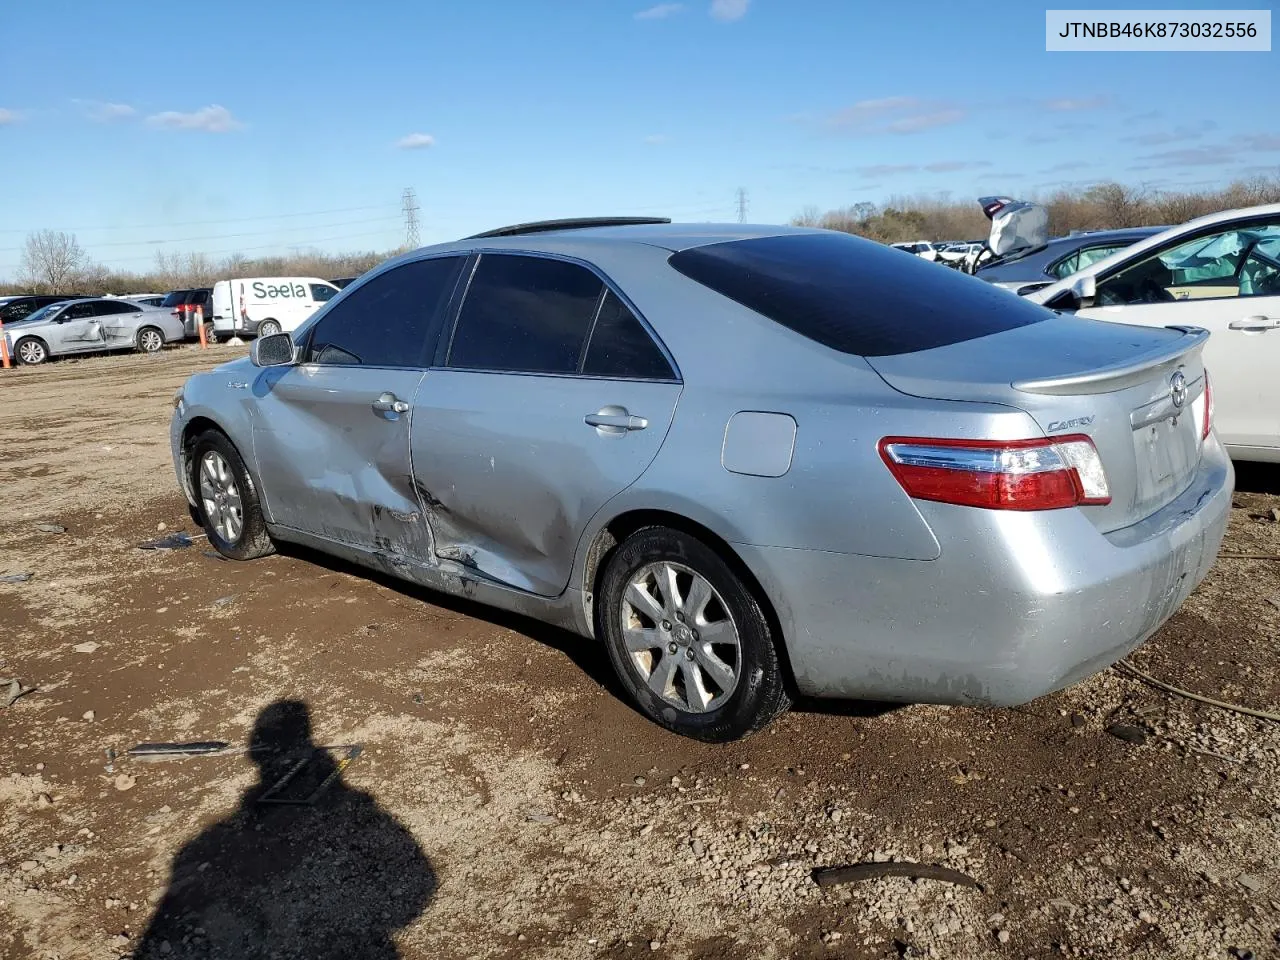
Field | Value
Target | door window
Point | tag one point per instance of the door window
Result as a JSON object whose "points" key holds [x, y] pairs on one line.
{"points": [[525, 314], [322, 293], [78, 311], [390, 320], [1083, 258], [621, 347], [1232, 263], [106, 308]]}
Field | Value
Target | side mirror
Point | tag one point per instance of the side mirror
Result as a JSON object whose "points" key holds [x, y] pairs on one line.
{"points": [[1085, 291], [275, 350]]}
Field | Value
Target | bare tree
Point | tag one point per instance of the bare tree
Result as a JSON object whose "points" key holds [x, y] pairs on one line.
{"points": [[51, 260]]}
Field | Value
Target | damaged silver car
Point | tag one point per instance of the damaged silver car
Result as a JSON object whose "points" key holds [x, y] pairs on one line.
{"points": [[90, 325], [754, 462]]}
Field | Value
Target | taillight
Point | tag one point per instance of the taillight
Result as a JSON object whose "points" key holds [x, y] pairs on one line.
{"points": [[1045, 474], [1202, 408]]}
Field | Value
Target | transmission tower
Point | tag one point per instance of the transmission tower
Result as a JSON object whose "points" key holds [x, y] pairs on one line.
{"points": [[409, 204], [742, 204]]}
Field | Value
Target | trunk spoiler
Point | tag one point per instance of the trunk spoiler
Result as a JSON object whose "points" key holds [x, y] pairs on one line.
{"points": [[1119, 376]]}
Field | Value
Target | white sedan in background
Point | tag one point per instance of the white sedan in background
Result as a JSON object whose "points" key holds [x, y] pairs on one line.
{"points": [[1222, 273]]}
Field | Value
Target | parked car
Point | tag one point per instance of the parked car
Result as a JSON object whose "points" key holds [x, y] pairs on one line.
{"points": [[1221, 273], [90, 325], [19, 308], [343, 282], [261, 306], [187, 305], [856, 475], [921, 248], [1060, 257], [146, 299]]}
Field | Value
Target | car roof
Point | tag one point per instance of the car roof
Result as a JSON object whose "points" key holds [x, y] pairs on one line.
{"points": [[668, 236]]}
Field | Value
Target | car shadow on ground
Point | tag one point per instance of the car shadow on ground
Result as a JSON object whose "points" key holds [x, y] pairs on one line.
{"points": [[589, 657], [332, 879], [1258, 477]]}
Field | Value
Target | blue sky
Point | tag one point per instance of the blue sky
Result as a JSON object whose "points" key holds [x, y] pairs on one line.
{"points": [[258, 127]]}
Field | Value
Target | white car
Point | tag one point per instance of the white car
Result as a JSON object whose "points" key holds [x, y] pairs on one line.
{"points": [[921, 248], [1222, 273]]}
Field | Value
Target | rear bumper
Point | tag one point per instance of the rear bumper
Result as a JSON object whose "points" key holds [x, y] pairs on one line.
{"points": [[1018, 604]]}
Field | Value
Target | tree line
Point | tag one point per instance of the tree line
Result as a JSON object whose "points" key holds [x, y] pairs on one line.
{"points": [[1099, 207], [54, 262]]}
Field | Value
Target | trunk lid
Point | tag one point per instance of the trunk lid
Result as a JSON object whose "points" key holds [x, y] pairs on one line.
{"points": [[1114, 383]]}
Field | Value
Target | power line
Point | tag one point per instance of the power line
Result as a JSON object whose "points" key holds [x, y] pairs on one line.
{"points": [[742, 204], [264, 246], [409, 204], [206, 223], [227, 236]]}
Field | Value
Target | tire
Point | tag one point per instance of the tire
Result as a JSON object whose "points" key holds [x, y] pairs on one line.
{"points": [[215, 467], [150, 340], [209, 335], [31, 351], [660, 664], [268, 328]]}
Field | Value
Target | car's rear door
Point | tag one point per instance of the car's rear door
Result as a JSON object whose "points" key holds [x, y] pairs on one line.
{"points": [[331, 434], [1226, 281], [119, 319], [551, 397]]}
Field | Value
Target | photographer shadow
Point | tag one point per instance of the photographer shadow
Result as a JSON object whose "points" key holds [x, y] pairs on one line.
{"points": [[335, 879]]}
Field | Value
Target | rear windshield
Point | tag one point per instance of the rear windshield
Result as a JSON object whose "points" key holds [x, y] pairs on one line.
{"points": [[174, 297], [855, 295]]}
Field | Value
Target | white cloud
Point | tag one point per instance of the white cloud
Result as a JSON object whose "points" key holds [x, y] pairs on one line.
{"points": [[656, 138], [660, 12], [894, 115], [727, 11], [9, 116], [100, 111], [1074, 104], [211, 119], [416, 141], [926, 121]]}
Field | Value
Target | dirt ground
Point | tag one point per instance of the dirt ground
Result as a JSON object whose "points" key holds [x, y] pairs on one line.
{"points": [[508, 801]]}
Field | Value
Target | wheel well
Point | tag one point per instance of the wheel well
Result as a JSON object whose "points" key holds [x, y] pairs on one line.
{"points": [[620, 527], [150, 326], [194, 429]]}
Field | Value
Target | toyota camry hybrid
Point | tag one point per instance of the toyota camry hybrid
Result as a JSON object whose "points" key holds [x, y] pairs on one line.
{"points": [[754, 462]]}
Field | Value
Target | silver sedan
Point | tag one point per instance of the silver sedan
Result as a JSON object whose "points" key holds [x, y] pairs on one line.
{"points": [[753, 462], [88, 326]]}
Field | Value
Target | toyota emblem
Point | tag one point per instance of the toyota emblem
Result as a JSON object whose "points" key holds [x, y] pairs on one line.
{"points": [[1178, 389]]}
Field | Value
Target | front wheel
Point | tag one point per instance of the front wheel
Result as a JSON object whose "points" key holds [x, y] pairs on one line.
{"points": [[228, 504], [150, 340], [31, 351], [688, 639], [268, 328]]}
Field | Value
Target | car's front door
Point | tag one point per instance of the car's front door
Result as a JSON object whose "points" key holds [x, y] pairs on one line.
{"points": [[331, 434], [1227, 280], [76, 329], [553, 397]]}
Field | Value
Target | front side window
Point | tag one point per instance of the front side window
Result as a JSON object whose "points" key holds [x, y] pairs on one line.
{"points": [[390, 320], [322, 292], [1213, 266], [525, 314]]}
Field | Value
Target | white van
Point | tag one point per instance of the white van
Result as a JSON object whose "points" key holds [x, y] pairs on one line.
{"points": [[258, 306]]}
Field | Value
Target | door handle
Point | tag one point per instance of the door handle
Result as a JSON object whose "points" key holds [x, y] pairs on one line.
{"points": [[615, 420], [1255, 323], [390, 403]]}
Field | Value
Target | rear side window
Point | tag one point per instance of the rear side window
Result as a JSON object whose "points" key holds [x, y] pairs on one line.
{"points": [[200, 296], [106, 309], [174, 297], [525, 314], [322, 293], [388, 322], [621, 347], [854, 295]]}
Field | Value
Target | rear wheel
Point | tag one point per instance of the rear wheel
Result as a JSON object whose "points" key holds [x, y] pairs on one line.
{"points": [[228, 504], [688, 639], [268, 328], [150, 340], [209, 335], [31, 351]]}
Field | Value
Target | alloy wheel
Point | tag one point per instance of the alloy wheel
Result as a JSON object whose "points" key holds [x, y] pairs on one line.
{"points": [[220, 497]]}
